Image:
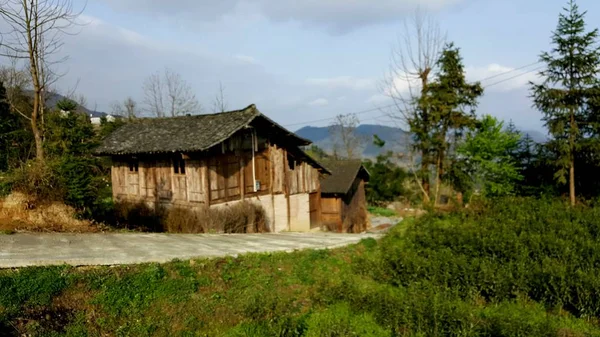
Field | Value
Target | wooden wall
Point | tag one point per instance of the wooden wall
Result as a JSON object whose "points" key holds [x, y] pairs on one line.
{"points": [[220, 175], [335, 209], [331, 212]]}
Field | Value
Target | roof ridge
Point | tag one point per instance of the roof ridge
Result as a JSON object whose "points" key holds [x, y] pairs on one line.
{"points": [[249, 107]]}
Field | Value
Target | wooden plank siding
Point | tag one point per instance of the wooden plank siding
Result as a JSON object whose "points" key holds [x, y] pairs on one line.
{"points": [[331, 212], [220, 175], [335, 210]]}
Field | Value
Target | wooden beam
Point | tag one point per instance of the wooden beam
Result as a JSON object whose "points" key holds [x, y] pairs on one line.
{"points": [[205, 172], [286, 187], [242, 178]]}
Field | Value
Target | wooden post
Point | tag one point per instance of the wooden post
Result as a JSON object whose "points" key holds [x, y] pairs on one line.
{"points": [[341, 215], [242, 181], [206, 180], [286, 175]]}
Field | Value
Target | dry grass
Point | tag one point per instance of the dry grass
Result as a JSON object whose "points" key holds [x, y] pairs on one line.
{"points": [[241, 217], [356, 220], [18, 213]]}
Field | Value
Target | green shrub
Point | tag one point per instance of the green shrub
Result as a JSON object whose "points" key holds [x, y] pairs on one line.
{"points": [[540, 249], [339, 320], [83, 182], [380, 211], [6, 185], [281, 326], [39, 181], [29, 287], [136, 292]]}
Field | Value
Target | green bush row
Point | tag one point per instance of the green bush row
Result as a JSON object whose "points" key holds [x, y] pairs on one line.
{"points": [[540, 249]]}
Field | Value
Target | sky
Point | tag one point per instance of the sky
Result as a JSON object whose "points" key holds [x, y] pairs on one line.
{"points": [[303, 62]]}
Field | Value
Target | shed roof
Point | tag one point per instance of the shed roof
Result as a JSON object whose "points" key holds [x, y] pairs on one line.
{"points": [[343, 174], [188, 133]]}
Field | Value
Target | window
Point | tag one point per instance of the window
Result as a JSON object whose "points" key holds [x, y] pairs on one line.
{"points": [[291, 162], [179, 166], [134, 165]]}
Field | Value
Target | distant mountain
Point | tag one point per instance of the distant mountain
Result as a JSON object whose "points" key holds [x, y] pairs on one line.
{"points": [[395, 139], [53, 98], [536, 136]]}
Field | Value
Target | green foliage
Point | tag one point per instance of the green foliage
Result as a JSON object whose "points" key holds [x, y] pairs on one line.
{"points": [[84, 183], [338, 320], [70, 139], [377, 141], [39, 181], [569, 93], [29, 287], [387, 180], [137, 291], [487, 154], [517, 247], [69, 133], [66, 105], [518, 267], [445, 108], [106, 127], [15, 136], [380, 211], [317, 153]]}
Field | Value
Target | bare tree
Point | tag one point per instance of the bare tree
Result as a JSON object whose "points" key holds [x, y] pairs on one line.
{"points": [[35, 35], [345, 138], [169, 95], [129, 108], [220, 103], [17, 81], [412, 67]]}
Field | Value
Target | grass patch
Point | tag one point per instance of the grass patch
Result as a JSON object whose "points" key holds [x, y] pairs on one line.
{"points": [[517, 268], [380, 211]]}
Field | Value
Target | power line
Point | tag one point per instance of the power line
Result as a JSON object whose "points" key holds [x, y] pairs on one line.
{"points": [[393, 105], [352, 113], [513, 77], [508, 72]]}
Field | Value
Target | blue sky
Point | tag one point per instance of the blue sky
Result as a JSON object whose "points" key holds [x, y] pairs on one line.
{"points": [[302, 60]]}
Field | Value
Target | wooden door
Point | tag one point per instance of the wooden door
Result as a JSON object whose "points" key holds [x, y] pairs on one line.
{"points": [[314, 201]]}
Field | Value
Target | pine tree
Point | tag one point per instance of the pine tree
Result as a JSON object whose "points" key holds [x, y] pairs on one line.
{"points": [[569, 86], [451, 102]]}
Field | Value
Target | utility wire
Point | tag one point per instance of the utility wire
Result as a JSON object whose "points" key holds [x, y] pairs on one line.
{"points": [[513, 77], [393, 105], [510, 71]]}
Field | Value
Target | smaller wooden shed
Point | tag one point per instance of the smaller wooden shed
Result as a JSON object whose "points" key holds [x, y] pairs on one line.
{"points": [[343, 199]]}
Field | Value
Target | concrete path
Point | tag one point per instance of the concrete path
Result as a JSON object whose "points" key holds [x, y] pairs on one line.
{"points": [[21, 250]]}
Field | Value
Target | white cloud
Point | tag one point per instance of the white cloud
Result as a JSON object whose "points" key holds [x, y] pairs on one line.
{"points": [[319, 102], [504, 78], [343, 82], [401, 85], [246, 59], [499, 78], [339, 16]]}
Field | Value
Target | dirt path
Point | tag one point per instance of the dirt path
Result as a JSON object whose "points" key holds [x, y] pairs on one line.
{"points": [[20, 250]]}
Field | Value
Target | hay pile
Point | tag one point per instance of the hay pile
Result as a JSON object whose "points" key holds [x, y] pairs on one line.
{"points": [[17, 213]]}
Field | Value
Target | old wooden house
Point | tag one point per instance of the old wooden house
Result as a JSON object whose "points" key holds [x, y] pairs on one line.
{"points": [[215, 160], [343, 200]]}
